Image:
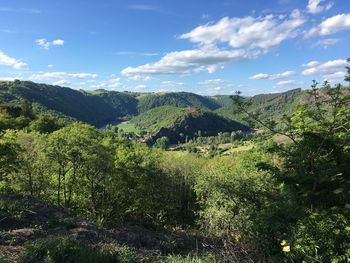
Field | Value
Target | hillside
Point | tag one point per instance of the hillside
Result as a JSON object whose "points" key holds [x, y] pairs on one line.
{"points": [[101, 107], [73, 103], [179, 123], [179, 99], [34, 231], [123, 103], [268, 105]]}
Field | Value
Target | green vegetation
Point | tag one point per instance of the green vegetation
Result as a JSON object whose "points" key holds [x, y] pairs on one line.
{"points": [[128, 127], [123, 103], [181, 125], [68, 251], [179, 99], [225, 195], [160, 117], [267, 106], [98, 108]]}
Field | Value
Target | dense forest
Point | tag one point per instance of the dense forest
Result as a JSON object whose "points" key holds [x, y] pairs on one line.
{"points": [[261, 179]]}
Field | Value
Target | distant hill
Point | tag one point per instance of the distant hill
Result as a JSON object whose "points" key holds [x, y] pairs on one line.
{"points": [[95, 109], [270, 106], [178, 99], [101, 107], [179, 123], [123, 103]]}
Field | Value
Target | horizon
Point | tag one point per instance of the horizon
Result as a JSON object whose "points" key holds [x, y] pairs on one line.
{"points": [[200, 47]]}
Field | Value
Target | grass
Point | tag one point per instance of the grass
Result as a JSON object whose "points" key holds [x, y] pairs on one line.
{"points": [[71, 251], [129, 127], [191, 259], [239, 149]]}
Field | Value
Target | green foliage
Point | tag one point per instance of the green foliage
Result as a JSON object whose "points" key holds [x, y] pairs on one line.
{"points": [[8, 155], [68, 251], [179, 99], [123, 103], [137, 191], [73, 103], [322, 237], [242, 203], [45, 123], [162, 143], [266, 107], [191, 259], [161, 117], [174, 122], [347, 77], [276, 202]]}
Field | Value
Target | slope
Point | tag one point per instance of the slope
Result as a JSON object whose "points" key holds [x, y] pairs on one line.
{"points": [[75, 104], [178, 99], [180, 123]]}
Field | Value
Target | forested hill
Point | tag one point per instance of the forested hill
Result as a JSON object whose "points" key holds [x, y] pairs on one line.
{"points": [[101, 107], [269, 106], [179, 99], [76, 104], [181, 124]]}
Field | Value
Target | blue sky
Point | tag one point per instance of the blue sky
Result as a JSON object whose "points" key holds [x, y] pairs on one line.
{"points": [[202, 46]]}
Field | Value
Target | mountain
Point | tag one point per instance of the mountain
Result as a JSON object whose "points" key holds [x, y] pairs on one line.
{"points": [[101, 107], [178, 99], [123, 103], [94, 109], [179, 123], [269, 106]]}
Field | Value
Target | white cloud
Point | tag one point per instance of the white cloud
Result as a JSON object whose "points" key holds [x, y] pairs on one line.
{"points": [[335, 77], [287, 82], [113, 84], [141, 78], [143, 8], [331, 25], [62, 75], [213, 82], [8, 78], [170, 83], [6, 60], [62, 82], [314, 6], [282, 75], [326, 68], [140, 87], [248, 32], [45, 44], [50, 66], [190, 61], [58, 42], [325, 43], [313, 63], [134, 53], [20, 10]]}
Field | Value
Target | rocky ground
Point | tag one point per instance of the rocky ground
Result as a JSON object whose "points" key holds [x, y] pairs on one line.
{"points": [[25, 219]]}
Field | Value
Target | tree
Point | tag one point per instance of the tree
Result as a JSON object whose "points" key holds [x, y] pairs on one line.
{"points": [[9, 150], [347, 77], [316, 170], [45, 123], [33, 177], [162, 143]]}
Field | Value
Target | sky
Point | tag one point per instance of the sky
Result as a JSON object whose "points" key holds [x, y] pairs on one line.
{"points": [[207, 47]]}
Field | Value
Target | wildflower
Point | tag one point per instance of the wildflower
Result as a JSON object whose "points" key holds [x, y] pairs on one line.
{"points": [[286, 249], [283, 243]]}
